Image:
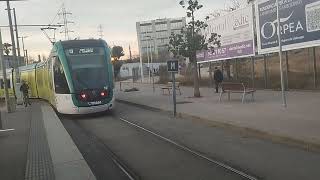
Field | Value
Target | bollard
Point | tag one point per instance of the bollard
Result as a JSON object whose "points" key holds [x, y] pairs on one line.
{"points": [[1, 127], [12, 105]]}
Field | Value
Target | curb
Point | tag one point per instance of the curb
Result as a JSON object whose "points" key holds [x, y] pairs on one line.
{"points": [[68, 162], [244, 131]]}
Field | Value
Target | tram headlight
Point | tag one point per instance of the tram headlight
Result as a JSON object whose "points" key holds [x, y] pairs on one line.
{"points": [[83, 96], [104, 93]]}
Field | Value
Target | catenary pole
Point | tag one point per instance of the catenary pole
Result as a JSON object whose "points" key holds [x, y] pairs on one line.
{"points": [[14, 53], [284, 99]]}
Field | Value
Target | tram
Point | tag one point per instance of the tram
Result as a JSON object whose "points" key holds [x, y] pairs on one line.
{"points": [[77, 78]]}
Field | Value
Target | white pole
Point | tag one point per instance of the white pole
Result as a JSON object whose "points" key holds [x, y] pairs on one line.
{"points": [[284, 100], [24, 53], [152, 71], [151, 54], [148, 61]]}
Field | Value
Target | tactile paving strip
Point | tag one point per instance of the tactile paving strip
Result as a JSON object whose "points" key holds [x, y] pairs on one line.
{"points": [[39, 163]]}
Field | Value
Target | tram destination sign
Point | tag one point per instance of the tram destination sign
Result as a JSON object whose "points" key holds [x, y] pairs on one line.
{"points": [[300, 24], [83, 51]]}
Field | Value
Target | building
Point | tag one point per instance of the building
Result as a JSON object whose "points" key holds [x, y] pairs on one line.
{"points": [[155, 35], [127, 70]]}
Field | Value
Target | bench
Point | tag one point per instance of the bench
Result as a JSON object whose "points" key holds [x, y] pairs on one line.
{"points": [[236, 88], [168, 87]]}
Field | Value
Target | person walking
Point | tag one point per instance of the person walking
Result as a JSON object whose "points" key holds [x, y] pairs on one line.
{"points": [[24, 88], [218, 78]]}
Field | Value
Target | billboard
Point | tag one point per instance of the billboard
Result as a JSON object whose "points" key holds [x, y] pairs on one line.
{"points": [[237, 37], [299, 23]]}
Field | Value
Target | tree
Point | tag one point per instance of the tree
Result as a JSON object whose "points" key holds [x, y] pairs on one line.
{"points": [[230, 5], [191, 40], [117, 52], [117, 67], [7, 48]]}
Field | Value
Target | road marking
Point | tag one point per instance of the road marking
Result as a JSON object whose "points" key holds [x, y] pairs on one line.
{"points": [[243, 174]]}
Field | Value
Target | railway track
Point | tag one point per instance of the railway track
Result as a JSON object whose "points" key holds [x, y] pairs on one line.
{"points": [[126, 170], [193, 152], [90, 144]]}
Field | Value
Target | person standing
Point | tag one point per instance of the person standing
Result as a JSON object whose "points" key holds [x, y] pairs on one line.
{"points": [[218, 78], [24, 88]]}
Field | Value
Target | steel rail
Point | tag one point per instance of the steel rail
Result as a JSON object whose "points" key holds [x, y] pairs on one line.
{"points": [[221, 164]]}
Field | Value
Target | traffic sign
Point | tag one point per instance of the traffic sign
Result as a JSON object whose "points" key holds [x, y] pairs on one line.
{"points": [[173, 66]]}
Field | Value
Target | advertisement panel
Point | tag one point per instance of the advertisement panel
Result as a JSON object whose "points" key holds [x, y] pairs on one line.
{"points": [[237, 37], [299, 23]]}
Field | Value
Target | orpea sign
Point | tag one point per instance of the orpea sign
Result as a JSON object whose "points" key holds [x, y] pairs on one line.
{"points": [[299, 23]]}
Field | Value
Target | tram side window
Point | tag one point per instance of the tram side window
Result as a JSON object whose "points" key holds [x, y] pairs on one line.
{"points": [[60, 81]]}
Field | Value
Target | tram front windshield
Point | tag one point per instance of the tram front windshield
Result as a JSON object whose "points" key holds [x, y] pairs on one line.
{"points": [[88, 68]]}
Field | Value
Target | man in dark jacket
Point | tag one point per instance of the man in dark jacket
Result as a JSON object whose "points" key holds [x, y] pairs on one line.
{"points": [[24, 88], [218, 78]]}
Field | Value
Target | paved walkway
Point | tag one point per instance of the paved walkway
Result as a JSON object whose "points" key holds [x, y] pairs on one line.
{"points": [[299, 122], [39, 147]]}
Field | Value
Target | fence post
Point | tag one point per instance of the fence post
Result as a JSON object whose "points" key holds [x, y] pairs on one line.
{"points": [[210, 74], [252, 72], [1, 120], [265, 71], [236, 69], [315, 79], [287, 70]]}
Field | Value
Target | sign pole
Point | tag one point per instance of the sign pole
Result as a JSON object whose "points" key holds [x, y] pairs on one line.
{"points": [[284, 100], [173, 67], [174, 96]]}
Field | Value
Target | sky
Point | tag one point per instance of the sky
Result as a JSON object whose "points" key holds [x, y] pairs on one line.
{"points": [[117, 17]]}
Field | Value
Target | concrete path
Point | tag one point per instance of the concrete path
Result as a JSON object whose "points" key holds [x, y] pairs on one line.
{"points": [[299, 123], [40, 147], [14, 145]]}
